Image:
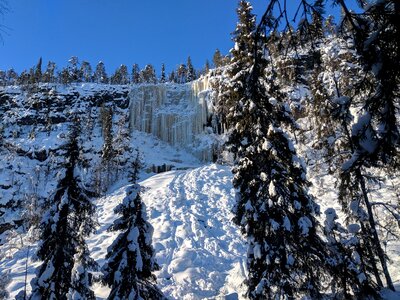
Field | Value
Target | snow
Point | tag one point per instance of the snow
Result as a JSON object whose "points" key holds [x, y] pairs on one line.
{"points": [[176, 114]]}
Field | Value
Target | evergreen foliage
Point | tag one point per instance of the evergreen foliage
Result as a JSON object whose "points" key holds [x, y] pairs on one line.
{"points": [[191, 73], [162, 76], [286, 256], [148, 75], [100, 75], [130, 258], [86, 71], [136, 74], [64, 227]]}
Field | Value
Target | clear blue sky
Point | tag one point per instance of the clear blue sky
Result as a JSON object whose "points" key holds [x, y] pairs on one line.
{"points": [[117, 31]]}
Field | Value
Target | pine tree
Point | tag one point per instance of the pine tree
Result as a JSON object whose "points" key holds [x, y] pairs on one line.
{"points": [[66, 224], [130, 258], [286, 256]]}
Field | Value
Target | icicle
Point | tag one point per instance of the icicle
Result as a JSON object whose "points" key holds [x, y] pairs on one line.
{"points": [[176, 114]]}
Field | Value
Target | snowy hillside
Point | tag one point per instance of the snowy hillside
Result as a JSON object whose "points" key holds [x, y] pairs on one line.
{"points": [[200, 252]]}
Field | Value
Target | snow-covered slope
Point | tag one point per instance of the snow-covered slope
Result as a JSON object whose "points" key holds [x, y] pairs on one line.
{"points": [[200, 251]]}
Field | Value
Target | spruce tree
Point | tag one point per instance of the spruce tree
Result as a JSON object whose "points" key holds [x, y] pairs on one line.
{"points": [[49, 74], [375, 136], [350, 274], [38, 71], [191, 73], [172, 77], [130, 258], [86, 71], [100, 75], [148, 75], [12, 77], [286, 257], [64, 228], [75, 73], [120, 76], [162, 76], [218, 59], [181, 74], [136, 74]]}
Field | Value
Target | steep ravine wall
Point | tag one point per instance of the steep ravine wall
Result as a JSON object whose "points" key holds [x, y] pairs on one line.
{"points": [[177, 114]]}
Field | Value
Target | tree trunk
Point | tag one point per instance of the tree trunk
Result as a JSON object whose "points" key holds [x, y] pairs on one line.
{"points": [[375, 237]]}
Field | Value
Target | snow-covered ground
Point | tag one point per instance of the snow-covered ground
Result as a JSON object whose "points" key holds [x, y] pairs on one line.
{"points": [[200, 252]]}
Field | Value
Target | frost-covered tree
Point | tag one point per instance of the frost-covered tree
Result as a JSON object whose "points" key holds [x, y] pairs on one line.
{"points": [[218, 59], [286, 257], [49, 73], [235, 72], [181, 74], [120, 76], [100, 75], [38, 71], [136, 74], [191, 72], [3, 81], [347, 260], [374, 137], [172, 77], [74, 70], [130, 258], [64, 228], [148, 74], [108, 152], [86, 71], [12, 77], [162, 76], [4, 282]]}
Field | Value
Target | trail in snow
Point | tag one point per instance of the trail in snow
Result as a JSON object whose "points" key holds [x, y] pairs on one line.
{"points": [[200, 252], [199, 249]]}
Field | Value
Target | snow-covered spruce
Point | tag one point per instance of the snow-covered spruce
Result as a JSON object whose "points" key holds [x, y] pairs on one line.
{"points": [[286, 256], [130, 259], [64, 228], [350, 275]]}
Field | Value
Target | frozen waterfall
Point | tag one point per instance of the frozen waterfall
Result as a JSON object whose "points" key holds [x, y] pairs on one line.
{"points": [[176, 113]]}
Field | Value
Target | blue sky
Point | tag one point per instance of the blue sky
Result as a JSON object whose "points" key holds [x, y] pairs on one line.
{"points": [[117, 31]]}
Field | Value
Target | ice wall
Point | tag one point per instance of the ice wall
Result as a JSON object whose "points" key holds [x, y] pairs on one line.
{"points": [[175, 113]]}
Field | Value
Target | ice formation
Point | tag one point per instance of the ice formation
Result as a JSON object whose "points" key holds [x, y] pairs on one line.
{"points": [[176, 114]]}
